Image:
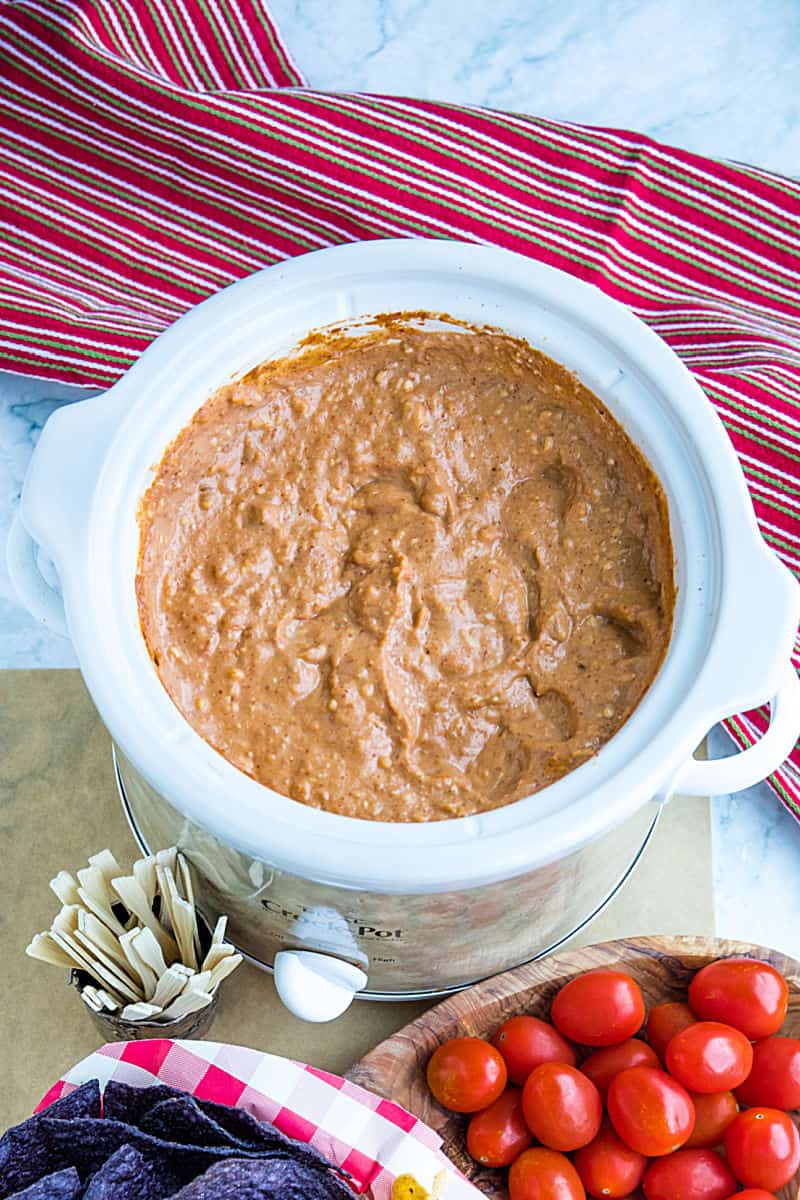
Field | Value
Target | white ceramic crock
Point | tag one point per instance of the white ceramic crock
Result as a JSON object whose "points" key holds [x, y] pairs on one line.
{"points": [[736, 617]]}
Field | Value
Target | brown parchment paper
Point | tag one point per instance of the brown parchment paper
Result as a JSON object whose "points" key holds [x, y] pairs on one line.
{"points": [[58, 804]]}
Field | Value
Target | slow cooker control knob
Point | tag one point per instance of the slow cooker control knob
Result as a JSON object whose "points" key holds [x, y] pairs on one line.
{"points": [[316, 987]]}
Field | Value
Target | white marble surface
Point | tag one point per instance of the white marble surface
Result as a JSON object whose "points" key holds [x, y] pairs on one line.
{"points": [[718, 77]]}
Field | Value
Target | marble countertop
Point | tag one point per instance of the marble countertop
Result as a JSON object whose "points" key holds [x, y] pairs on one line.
{"points": [[719, 78]]}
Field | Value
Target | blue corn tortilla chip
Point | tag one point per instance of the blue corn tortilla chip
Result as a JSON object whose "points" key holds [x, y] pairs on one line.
{"points": [[23, 1140], [87, 1143], [168, 1142], [62, 1185], [180, 1120], [263, 1179], [39, 1147], [124, 1176], [248, 1131], [123, 1102], [142, 1107], [45, 1144], [183, 1119], [83, 1102]]}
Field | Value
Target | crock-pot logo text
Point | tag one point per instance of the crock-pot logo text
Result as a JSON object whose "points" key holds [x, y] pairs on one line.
{"points": [[315, 918]]}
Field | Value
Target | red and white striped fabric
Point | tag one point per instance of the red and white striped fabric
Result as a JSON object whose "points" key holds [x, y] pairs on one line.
{"points": [[374, 1140], [153, 151]]}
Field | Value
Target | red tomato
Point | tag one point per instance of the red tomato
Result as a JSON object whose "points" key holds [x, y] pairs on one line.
{"points": [[541, 1174], [755, 1194], [713, 1113], [664, 1021], [499, 1134], [774, 1080], [763, 1148], [607, 1167], [562, 1107], [743, 992], [527, 1042], [602, 1065], [651, 1112], [466, 1074], [709, 1057], [689, 1175], [600, 1008]]}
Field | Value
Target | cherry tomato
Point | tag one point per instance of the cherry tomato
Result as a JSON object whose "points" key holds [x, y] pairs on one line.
{"points": [[562, 1107], [763, 1148], [600, 1008], [743, 992], [774, 1080], [499, 1134], [608, 1168], [709, 1057], [689, 1175], [651, 1112], [755, 1194], [541, 1174], [466, 1074], [713, 1113], [527, 1042], [602, 1065], [664, 1021]]}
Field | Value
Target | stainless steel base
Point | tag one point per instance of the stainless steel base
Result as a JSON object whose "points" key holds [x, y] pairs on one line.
{"points": [[419, 994]]}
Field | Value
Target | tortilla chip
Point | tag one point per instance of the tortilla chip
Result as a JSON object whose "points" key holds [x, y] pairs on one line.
{"points": [[183, 1119], [166, 1141], [63, 1185], [123, 1102], [83, 1102], [260, 1179], [124, 1176]]}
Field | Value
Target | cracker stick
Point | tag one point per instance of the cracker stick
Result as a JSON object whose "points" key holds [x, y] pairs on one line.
{"points": [[149, 951], [184, 880], [106, 864], [102, 911], [144, 872], [170, 985], [95, 952], [92, 966], [134, 899], [43, 948], [181, 916], [92, 927], [140, 1011], [148, 977], [91, 999], [186, 1003], [223, 969], [65, 887]]}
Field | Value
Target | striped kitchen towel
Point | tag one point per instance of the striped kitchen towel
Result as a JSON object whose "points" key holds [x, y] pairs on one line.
{"points": [[152, 151]]}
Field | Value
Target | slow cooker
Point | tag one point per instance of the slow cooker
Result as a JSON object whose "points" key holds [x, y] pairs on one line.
{"points": [[340, 906]]}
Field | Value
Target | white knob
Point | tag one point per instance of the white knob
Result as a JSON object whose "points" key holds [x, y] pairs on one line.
{"points": [[316, 987]]}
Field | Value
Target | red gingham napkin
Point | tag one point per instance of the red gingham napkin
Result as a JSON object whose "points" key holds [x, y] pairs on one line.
{"points": [[372, 1139], [153, 151]]}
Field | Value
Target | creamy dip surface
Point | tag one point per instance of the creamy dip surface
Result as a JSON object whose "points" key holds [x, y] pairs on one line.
{"points": [[408, 575]]}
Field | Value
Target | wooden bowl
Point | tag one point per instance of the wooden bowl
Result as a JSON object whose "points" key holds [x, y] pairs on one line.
{"points": [[663, 967]]}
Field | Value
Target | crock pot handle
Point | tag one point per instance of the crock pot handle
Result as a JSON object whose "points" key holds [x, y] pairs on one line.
{"points": [[747, 767], [41, 600], [316, 987], [57, 496]]}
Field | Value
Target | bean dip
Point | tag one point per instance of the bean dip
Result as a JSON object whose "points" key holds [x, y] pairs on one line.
{"points": [[407, 575]]}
